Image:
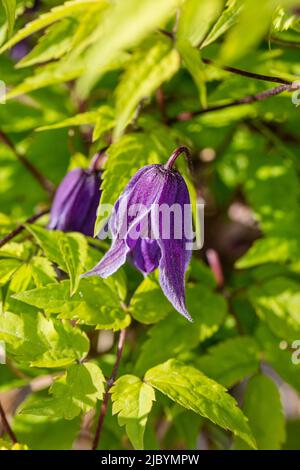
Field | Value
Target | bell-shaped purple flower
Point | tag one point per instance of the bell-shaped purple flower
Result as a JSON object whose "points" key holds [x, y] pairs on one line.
{"points": [[152, 225], [75, 203]]}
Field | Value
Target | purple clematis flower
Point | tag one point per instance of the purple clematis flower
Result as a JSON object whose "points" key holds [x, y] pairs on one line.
{"points": [[75, 203], [150, 236]]}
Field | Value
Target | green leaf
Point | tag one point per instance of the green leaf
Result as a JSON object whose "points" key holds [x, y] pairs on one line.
{"points": [[231, 361], [42, 271], [191, 389], [54, 44], [42, 342], [45, 76], [67, 250], [270, 250], [201, 273], [207, 309], [187, 425], [21, 278], [74, 7], [227, 19], [195, 66], [196, 19], [277, 212], [44, 433], [259, 16], [37, 268], [279, 357], [76, 391], [176, 334], [10, 11], [95, 303], [80, 119], [148, 303], [124, 24], [132, 401], [146, 71], [106, 120], [277, 302], [7, 268], [263, 408]]}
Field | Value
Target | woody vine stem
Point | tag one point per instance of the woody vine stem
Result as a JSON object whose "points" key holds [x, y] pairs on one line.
{"points": [[110, 383], [6, 425]]}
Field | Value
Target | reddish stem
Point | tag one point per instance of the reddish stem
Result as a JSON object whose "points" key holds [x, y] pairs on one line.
{"points": [[170, 163], [216, 267]]}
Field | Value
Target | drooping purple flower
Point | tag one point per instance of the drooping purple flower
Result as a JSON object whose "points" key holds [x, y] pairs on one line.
{"points": [[75, 203], [149, 237]]}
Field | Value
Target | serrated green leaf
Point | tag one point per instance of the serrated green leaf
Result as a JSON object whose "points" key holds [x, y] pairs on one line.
{"points": [[56, 41], [270, 250], [42, 342], [75, 392], [10, 11], [21, 279], [145, 72], [277, 302], [132, 401], [7, 269], [105, 121], [227, 19], [123, 25], [67, 250], [263, 408], [45, 76], [176, 334], [57, 13], [197, 16], [42, 271], [96, 302], [231, 361], [89, 117], [14, 250], [191, 389]]}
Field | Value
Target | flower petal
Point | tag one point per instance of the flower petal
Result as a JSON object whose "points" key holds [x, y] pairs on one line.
{"points": [[64, 196], [111, 261], [146, 255], [172, 269], [75, 204], [136, 200], [175, 255]]}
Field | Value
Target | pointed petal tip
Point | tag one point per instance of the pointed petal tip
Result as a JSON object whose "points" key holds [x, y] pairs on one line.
{"points": [[93, 273], [186, 315]]}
